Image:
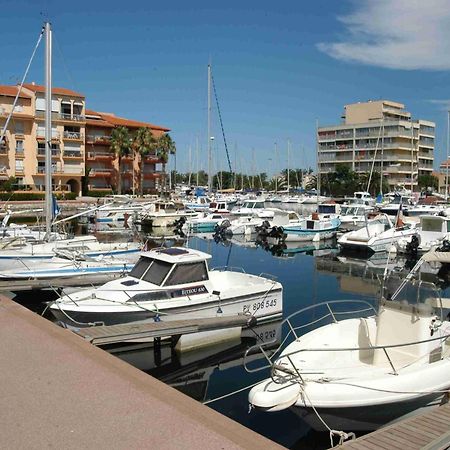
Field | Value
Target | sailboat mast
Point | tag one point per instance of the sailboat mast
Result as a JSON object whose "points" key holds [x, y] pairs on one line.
{"points": [[209, 130], [276, 166], [48, 129], [288, 164]]}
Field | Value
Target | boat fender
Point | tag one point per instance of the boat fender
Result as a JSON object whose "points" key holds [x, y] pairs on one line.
{"points": [[272, 396]]}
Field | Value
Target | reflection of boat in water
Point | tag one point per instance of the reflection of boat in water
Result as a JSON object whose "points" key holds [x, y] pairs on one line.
{"points": [[191, 372], [289, 249]]}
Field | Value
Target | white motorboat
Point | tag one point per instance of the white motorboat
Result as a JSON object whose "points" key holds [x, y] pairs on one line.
{"points": [[393, 207], [269, 218], [70, 264], [220, 206], [164, 214], [358, 373], [360, 198], [353, 217], [120, 209], [251, 208], [378, 235], [170, 284], [10, 256], [199, 203], [312, 229], [429, 235], [421, 210], [205, 222], [312, 199]]}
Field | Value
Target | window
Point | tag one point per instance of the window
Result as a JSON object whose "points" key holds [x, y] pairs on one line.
{"points": [[188, 273], [140, 267], [19, 146], [19, 165], [157, 272]]}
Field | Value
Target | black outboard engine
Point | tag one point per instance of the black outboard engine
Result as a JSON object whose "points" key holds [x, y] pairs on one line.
{"points": [[445, 247], [263, 229], [222, 231], [412, 246]]}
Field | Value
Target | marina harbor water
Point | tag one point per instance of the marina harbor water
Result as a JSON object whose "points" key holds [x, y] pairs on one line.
{"points": [[310, 273]]}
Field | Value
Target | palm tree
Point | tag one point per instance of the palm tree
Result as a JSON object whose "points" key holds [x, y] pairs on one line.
{"points": [[165, 146], [120, 145], [144, 144]]}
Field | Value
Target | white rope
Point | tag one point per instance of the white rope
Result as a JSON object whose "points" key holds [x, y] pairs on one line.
{"points": [[19, 90], [207, 402]]}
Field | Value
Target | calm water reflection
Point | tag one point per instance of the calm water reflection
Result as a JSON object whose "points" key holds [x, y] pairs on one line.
{"points": [[310, 274]]}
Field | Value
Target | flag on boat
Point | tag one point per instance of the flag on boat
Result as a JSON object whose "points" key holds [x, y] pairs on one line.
{"points": [[55, 207], [399, 220]]}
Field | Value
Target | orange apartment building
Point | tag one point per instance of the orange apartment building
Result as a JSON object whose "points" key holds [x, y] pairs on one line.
{"points": [[80, 143], [101, 162]]}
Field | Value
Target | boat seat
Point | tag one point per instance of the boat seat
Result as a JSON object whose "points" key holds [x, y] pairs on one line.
{"points": [[400, 323], [364, 341]]}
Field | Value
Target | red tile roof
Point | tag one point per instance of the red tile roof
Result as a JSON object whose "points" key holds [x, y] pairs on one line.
{"points": [[120, 121], [11, 91], [55, 90]]}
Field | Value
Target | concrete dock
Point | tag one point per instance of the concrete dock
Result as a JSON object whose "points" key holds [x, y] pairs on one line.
{"points": [[59, 391]]}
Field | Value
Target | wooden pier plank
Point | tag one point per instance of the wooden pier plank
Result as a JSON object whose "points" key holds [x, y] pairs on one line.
{"points": [[423, 431], [101, 335]]}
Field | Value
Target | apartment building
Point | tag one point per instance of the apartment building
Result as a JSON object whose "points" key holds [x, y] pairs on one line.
{"points": [[80, 140], [22, 155], [102, 163], [379, 134]]}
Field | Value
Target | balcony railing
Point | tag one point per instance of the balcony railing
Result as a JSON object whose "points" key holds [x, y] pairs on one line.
{"points": [[97, 139], [72, 154], [105, 171], [41, 134], [73, 135], [62, 116], [93, 155], [55, 153]]}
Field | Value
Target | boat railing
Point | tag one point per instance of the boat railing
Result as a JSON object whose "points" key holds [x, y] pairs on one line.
{"points": [[330, 314], [229, 269], [296, 373], [269, 276]]}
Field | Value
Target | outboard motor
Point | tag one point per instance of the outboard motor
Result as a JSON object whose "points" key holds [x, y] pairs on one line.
{"points": [[412, 246], [222, 231], [263, 229], [445, 247]]}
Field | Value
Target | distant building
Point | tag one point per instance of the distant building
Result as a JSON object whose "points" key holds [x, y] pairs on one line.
{"points": [[379, 134], [103, 165], [80, 141]]}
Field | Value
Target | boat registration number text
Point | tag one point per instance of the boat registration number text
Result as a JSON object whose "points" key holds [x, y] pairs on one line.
{"points": [[259, 305]]}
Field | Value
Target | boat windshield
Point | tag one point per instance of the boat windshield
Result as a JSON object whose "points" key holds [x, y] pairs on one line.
{"points": [[151, 270], [326, 209], [188, 273]]}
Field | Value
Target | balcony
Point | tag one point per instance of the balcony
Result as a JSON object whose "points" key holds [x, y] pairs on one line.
{"points": [[152, 175], [69, 170], [98, 140], [101, 172], [20, 154], [40, 135], [152, 159], [100, 155], [73, 136], [62, 116], [72, 154], [55, 153]]}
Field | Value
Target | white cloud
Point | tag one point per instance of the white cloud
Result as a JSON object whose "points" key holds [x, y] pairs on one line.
{"points": [[396, 34], [443, 104]]}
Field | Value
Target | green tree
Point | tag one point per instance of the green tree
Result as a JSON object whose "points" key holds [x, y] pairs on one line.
{"points": [[121, 146], [143, 145], [428, 182], [165, 146]]}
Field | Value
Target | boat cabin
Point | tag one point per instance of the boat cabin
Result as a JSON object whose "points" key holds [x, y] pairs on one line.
{"points": [[170, 267], [252, 204], [434, 225], [329, 208], [219, 207]]}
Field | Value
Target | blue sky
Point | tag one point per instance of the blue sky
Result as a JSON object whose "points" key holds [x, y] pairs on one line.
{"points": [[278, 66]]}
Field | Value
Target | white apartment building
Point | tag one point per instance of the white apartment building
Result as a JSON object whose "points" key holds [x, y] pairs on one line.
{"points": [[382, 135]]}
